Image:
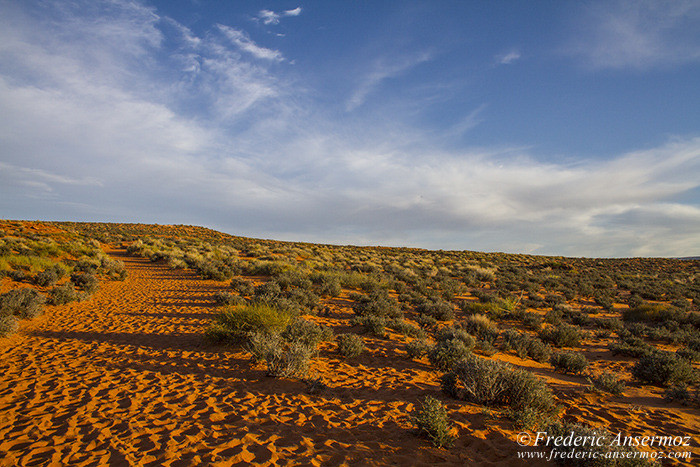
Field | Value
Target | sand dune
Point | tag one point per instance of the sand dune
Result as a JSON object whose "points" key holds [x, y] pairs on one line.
{"points": [[126, 378]]}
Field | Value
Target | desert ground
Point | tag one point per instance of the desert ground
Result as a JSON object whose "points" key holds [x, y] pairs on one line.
{"points": [[128, 377]]}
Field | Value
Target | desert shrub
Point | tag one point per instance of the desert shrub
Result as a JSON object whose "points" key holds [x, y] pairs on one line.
{"points": [[630, 346], [350, 345], [653, 312], [377, 304], [481, 327], [688, 354], [532, 321], [289, 360], [237, 322], [328, 284], [407, 329], [494, 383], [264, 268], [562, 335], [62, 294], [446, 353], [307, 333], [18, 275], [604, 301], [486, 348], [226, 298], [8, 325], [114, 270], [85, 281], [663, 368], [375, 325], [432, 422], [682, 394], [260, 344], [426, 321], [569, 362], [242, 286], [607, 382], [22, 303], [417, 348], [440, 310], [526, 346], [49, 276]]}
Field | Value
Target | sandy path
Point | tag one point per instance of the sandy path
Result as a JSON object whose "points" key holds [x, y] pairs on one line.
{"points": [[125, 379]]}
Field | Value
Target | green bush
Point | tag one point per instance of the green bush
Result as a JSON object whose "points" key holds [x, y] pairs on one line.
{"points": [[290, 360], [417, 348], [663, 368], [226, 298], [440, 310], [375, 325], [569, 362], [307, 333], [481, 327], [49, 276], [526, 346], [607, 382], [562, 335], [62, 294], [87, 282], [432, 422], [350, 345], [23, 303], [494, 383], [446, 353], [8, 325], [237, 322], [680, 393]]}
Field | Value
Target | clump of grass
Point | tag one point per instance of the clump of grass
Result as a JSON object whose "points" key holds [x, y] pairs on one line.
{"points": [[350, 345], [235, 323], [569, 362], [432, 422], [227, 298]]}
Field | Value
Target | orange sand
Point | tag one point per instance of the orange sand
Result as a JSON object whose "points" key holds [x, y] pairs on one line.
{"points": [[126, 378]]}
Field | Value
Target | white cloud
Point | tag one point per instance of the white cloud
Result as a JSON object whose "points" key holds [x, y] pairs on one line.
{"points": [[383, 69], [508, 58], [639, 35], [245, 43], [270, 17]]}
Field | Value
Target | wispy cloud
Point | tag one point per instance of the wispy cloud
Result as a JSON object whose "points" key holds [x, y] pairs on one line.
{"points": [[245, 43], [270, 17], [639, 35], [508, 58], [383, 69]]}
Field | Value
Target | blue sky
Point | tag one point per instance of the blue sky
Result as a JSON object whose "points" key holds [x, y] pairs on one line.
{"points": [[568, 128]]}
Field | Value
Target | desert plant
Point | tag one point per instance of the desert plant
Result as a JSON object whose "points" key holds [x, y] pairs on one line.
{"points": [[307, 333], [226, 298], [481, 327], [417, 348], [22, 303], [682, 394], [62, 294], [562, 335], [8, 325], [569, 362], [350, 345], [607, 382], [432, 422], [446, 353], [495, 383], [663, 368], [87, 282], [290, 360], [237, 322]]}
